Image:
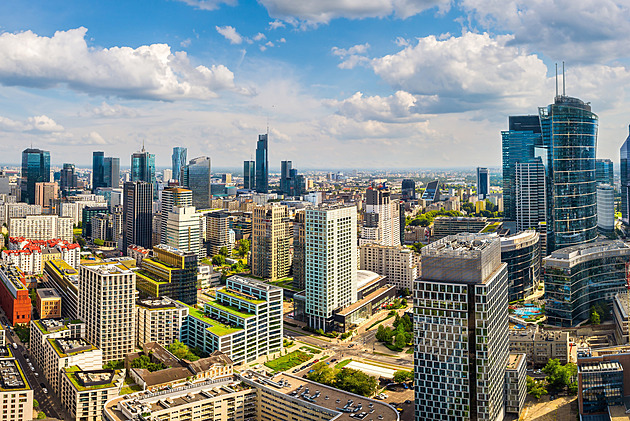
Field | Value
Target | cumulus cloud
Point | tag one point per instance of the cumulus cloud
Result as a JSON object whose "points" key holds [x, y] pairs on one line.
{"points": [[259, 37], [35, 124], [208, 4], [147, 72], [94, 138], [112, 110], [351, 56], [397, 108], [229, 32], [276, 24]]}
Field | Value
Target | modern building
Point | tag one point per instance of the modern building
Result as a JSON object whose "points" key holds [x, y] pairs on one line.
{"points": [[445, 225], [45, 195], [48, 303], [483, 183], [244, 321], [35, 169], [44, 329], [530, 194], [515, 383], [465, 344], [143, 166], [398, 264], [431, 192], [183, 230], [621, 313], [291, 183], [15, 393], [41, 227], [298, 263], [68, 179], [107, 296], [408, 190], [88, 213], [64, 279], [521, 252], [159, 320], [83, 393], [624, 170], [249, 175], [540, 345], [218, 232], [169, 272], [604, 172], [138, 214], [578, 277], [98, 170], [173, 196], [178, 159], [381, 223], [196, 176], [331, 262], [262, 163], [14, 298], [271, 236], [600, 385], [111, 172], [605, 208], [102, 227]]}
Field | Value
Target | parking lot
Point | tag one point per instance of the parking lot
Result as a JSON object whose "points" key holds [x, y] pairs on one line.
{"points": [[402, 398]]}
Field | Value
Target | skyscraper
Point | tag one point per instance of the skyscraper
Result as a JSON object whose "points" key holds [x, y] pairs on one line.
{"points": [[270, 242], [624, 168], [408, 189], [483, 183], [604, 171], [605, 208], [111, 172], [143, 167], [98, 170], [171, 197], [530, 194], [262, 164], [183, 230], [179, 158], [35, 169], [196, 177], [381, 220], [138, 214], [249, 175], [461, 351], [285, 177], [68, 179]]}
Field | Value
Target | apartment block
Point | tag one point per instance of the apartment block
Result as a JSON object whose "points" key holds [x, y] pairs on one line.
{"points": [[41, 227], [30, 255], [48, 303], [64, 279], [515, 383], [397, 263], [159, 320], [44, 329], [270, 242], [16, 396], [540, 345], [218, 232], [83, 393], [14, 297], [66, 352], [443, 226]]}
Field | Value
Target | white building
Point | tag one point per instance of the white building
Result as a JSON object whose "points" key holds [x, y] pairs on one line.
{"points": [[183, 230], [17, 210], [41, 227], [44, 329], [83, 392], [605, 207], [159, 320], [66, 352], [30, 256], [15, 394], [207, 277], [381, 221], [74, 209], [399, 264]]}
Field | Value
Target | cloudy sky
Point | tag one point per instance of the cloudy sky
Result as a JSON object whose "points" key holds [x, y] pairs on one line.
{"points": [[341, 83]]}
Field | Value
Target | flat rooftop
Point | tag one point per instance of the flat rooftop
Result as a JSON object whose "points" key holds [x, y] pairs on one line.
{"points": [[514, 361], [70, 346], [158, 303], [11, 376], [600, 366], [47, 294], [92, 379]]}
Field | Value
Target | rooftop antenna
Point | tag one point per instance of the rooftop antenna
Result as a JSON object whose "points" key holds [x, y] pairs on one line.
{"points": [[563, 84], [556, 80]]}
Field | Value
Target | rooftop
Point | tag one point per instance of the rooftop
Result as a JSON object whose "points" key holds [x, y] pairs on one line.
{"points": [[218, 328], [11, 376], [600, 366], [70, 346], [12, 275], [514, 361], [158, 303], [92, 379], [108, 268], [575, 254], [47, 294]]}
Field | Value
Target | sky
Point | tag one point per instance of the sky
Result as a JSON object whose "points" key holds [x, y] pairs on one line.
{"points": [[381, 84]]}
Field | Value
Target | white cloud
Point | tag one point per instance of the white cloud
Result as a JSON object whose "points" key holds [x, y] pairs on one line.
{"points": [[114, 110], [8, 125], [351, 56], [399, 107], [259, 37], [149, 71], [269, 44], [94, 138], [208, 4], [282, 40], [229, 32], [276, 24], [42, 123], [186, 43]]}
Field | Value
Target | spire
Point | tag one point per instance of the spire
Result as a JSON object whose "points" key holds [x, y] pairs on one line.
{"points": [[143, 145]]}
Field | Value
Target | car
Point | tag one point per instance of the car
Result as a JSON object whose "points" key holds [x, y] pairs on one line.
{"points": [[45, 391], [405, 386], [14, 345], [407, 402], [36, 374], [28, 360], [333, 360], [350, 346], [32, 368]]}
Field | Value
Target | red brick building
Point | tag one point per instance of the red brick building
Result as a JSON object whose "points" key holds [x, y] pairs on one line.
{"points": [[14, 297]]}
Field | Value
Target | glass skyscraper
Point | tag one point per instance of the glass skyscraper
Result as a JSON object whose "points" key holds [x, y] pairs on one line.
{"points": [[624, 153], [111, 172], [138, 214], [483, 183], [262, 164], [143, 168], [604, 171], [196, 177], [35, 169], [249, 175], [98, 170], [179, 158]]}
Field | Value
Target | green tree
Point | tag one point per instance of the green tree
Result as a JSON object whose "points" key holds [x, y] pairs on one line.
{"points": [[323, 373], [35, 403], [243, 247], [355, 381], [218, 260], [99, 242], [22, 331], [536, 388], [41, 415], [223, 251], [401, 376], [595, 319], [558, 377], [114, 365], [144, 362]]}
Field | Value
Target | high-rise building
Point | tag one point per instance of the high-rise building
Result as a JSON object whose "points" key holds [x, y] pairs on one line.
{"points": [[159, 320], [98, 170], [331, 262], [381, 222], [138, 214], [167, 175], [218, 232], [530, 194], [604, 171], [179, 158], [431, 192], [249, 175], [143, 168], [408, 190], [298, 264], [183, 230], [107, 295], [45, 194], [171, 197], [262, 164], [605, 208], [89, 213], [624, 170], [196, 177], [521, 252], [285, 177], [271, 235], [111, 172], [483, 183], [464, 346], [35, 169], [397, 263], [68, 179], [41, 227]]}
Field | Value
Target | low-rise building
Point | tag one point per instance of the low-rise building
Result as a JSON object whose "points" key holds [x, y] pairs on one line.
{"points": [[138, 253], [66, 352], [31, 255], [16, 396], [445, 225], [515, 383], [159, 320], [540, 345], [14, 297], [83, 393], [48, 303], [621, 310], [44, 329], [207, 277], [64, 279]]}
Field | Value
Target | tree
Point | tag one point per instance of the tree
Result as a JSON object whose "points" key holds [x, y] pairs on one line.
{"points": [[223, 251], [401, 340], [536, 388], [218, 260], [114, 365], [41, 415], [322, 373], [23, 332], [401, 376], [595, 319], [243, 247], [558, 376], [355, 381], [182, 351], [144, 362]]}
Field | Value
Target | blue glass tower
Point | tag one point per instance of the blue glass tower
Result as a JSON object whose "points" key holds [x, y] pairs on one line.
{"points": [[98, 170], [196, 177], [143, 168], [35, 169], [249, 175], [179, 158], [262, 164], [604, 171], [624, 167], [483, 183], [111, 172]]}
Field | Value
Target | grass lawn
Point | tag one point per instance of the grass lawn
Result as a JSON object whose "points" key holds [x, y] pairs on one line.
{"points": [[288, 361], [343, 363], [130, 389], [392, 347], [410, 350], [311, 350], [284, 283]]}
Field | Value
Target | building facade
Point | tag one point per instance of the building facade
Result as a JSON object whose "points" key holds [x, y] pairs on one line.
{"points": [[83, 392], [397, 263], [483, 183], [521, 252], [41, 227], [138, 214], [171, 197], [271, 236], [604, 171], [48, 303], [159, 320], [14, 298], [262, 163], [605, 208], [196, 176], [249, 175], [178, 160], [381, 223], [35, 169], [624, 171], [183, 230]]}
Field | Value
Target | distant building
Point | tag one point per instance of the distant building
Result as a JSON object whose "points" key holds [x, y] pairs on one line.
{"points": [[48, 303], [298, 263], [540, 345], [431, 192], [530, 194], [111, 172], [14, 298], [179, 159], [262, 164], [604, 172], [69, 179], [171, 197], [41, 227], [444, 226], [98, 170], [381, 223], [218, 232], [624, 170], [270, 242], [196, 176], [249, 175], [397, 263], [143, 167], [138, 214], [45, 195], [137, 253], [35, 169], [483, 183], [183, 230], [408, 190]]}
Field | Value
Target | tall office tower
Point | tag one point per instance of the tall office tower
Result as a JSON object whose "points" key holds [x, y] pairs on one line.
{"points": [[624, 168], [249, 175], [107, 293], [298, 264], [521, 252], [171, 197], [98, 170], [285, 177], [605, 208], [111, 172], [179, 158], [432, 192], [604, 171], [408, 190], [483, 183], [183, 230], [35, 169], [530, 194], [569, 131], [518, 144], [45, 194], [138, 214], [381, 223], [270, 242], [143, 168], [461, 352], [218, 232], [196, 177], [68, 179], [117, 225], [262, 164], [331, 262]]}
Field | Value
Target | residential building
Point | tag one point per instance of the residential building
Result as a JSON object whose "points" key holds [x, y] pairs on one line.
{"points": [[397, 263], [68, 179], [169, 272], [183, 226], [207, 277], [578, 277], [35, 169], [74, 210], [244, 321], [48, 303], [15, 393], [521, 252], [444, 226], [17, 210], [465, 344], [196, 176], [218, 232], [605, 208], [408, 190], [331, 262], [137, 253], [515, 383], [262, 163], [88, 214], [530, 194], [249, 175], [171, 197], [14, 298], [624, 170], [98, 170], [298, 263], [178, 159], [41, 227], [159, 320], [138, 214], [107, 295], [44, 329], [40, 251], [604, 172], [381, 223], [270, 242], [83, 393], [483, 183], [540, 345], [64, 279], [101, 227], [45, 195]]}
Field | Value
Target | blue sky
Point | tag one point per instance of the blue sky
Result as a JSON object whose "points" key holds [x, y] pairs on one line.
{"points": [[343, 83]]}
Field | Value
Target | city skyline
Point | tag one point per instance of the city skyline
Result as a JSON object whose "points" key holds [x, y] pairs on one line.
{"points": [[390, 84]]}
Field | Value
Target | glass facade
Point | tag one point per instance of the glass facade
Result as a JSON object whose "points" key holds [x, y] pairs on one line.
{"points": [[624, 168], [196, 177], [262, 164], [111, 172], [35, 169], [249, 175], [604, 171], [521, 252], [408, 189], [179, 158], [98, 170], [143, 168], [601, 386], [138, 214], [483, 183]]}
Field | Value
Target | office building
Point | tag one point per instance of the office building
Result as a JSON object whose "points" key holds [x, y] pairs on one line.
{"points": [[431, 192], [173, 196], [381, 223], [408, 190], [249, 175], [624, 170], [398, 264], [183, 230], [138, 214], [48, 303], [621, 313], [521, 252], [101, 227], [171, 273], [83, 393], [218, 232], [464, 345], [331, 262], [262, 163], [483, 183], [446, 225], [68, 179], [107, 296], [159, 320], [244, 321], [515, 383], [111, 172], [605, 208], [35, 169], [17, 210], [143, 168], [15, 393], [540, 345], [14, 298], [178, 159], [88, 213], [45, 195], [604, 171], [196, 177], [41, 227], [578, 277], [298, 263], [64, 279], [271, 235], [530, 194], [98, 170], [291, 183]]}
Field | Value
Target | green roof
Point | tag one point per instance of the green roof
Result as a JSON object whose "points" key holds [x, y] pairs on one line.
{"points": [[230, 309], [194, 312], [41, 327], [220, 329], [61, 354], [240, 297], [69, 373], [150, 277]]}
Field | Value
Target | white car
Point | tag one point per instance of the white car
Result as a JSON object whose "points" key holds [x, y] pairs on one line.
{"points": [[45, 390], [36, 374]]}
